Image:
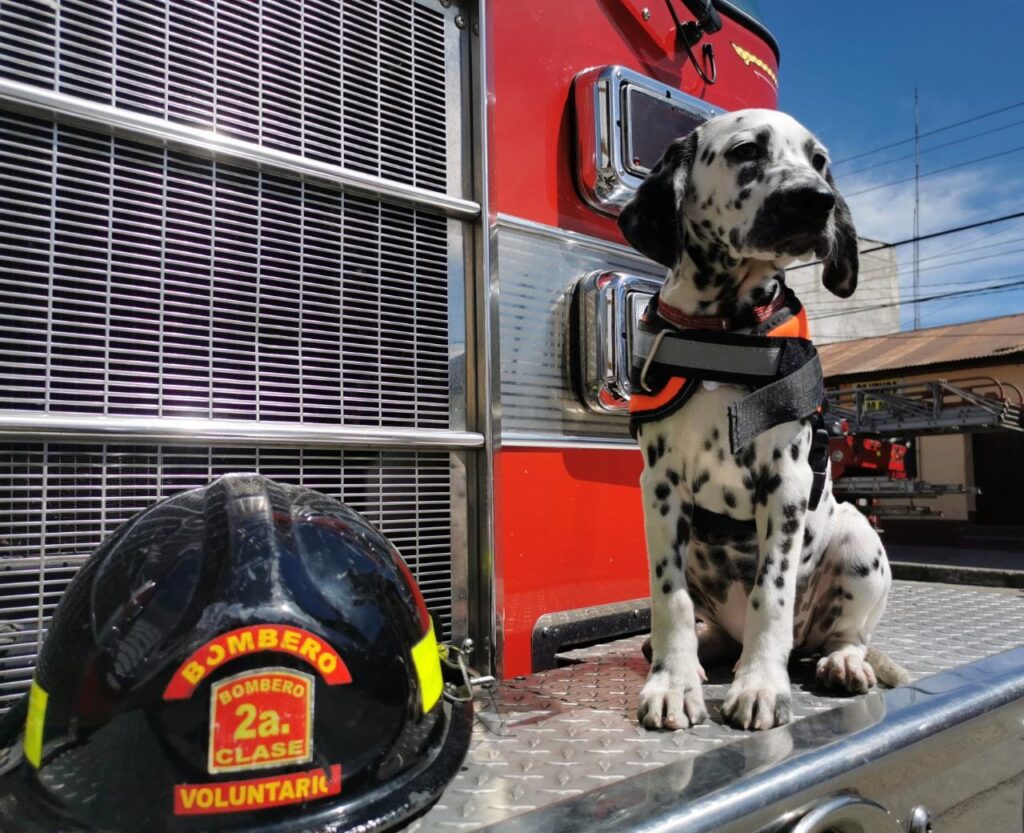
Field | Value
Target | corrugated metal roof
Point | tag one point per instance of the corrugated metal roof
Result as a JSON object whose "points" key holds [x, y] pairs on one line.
{"points": [[990, 338]]}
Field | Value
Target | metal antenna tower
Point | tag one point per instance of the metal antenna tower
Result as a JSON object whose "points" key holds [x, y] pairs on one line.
{"points": [[917, 210]]}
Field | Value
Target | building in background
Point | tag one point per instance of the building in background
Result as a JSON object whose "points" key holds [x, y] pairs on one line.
{"points": [[986, 356], [873, 310]]}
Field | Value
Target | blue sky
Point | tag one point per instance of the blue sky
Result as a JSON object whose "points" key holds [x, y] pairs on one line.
{"points": [[848, 72]]}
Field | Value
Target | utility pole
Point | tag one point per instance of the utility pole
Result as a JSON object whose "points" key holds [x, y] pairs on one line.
{"points": [[917, 211]]}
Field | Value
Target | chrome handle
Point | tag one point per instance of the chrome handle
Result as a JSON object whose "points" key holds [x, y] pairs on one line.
{"points": [[846, 814]]}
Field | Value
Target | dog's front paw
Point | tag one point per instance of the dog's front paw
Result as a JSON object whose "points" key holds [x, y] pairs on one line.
{"points": [[671, 701], [758, 700], [846, 669]]}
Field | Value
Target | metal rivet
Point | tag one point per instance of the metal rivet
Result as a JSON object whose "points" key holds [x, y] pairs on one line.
{"points": [[646, 13], [460, 21], [920, 821]]}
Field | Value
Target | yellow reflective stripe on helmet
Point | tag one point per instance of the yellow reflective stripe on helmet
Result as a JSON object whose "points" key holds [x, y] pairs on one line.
{"points": [[428, 669], [37, 700]]}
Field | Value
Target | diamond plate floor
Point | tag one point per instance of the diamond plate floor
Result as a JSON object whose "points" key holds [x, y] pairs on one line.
{"points": [[563, 732]]}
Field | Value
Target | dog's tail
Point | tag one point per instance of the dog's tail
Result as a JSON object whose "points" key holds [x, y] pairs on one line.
{"points": [[888, 671]]}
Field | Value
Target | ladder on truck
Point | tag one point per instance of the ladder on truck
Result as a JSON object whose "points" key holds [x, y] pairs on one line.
{"points": [[868, 419], [939, 407]]}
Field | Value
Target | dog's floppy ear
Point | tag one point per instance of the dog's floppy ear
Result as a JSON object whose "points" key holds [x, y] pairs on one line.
{"points": [[650, 221], [840, 272]]}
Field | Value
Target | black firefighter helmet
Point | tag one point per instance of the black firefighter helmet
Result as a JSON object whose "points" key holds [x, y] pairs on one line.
{"points": [[245, 657]]}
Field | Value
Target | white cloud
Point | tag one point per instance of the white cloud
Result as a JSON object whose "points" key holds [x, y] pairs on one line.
{"points": [[948, 200]]}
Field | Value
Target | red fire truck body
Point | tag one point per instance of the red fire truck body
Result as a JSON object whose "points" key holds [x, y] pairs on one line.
{"points": [[567, 514]]}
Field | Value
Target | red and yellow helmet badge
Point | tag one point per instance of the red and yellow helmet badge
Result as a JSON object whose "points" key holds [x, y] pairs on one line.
{"points": [[749, 58], [259, 719]]}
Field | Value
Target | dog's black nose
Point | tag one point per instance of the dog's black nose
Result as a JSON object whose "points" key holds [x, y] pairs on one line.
{"points": [[811, 202]]}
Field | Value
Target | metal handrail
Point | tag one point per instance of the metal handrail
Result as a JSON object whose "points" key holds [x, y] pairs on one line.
{"points": [[33, 426]]}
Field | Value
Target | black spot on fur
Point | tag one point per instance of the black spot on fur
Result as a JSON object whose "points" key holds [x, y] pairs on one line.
{"points": [[747, 174], [657, 668], [794, 451], [721, 455], [707, 445], [875, 564], [666, 588], [678, 561], [665, 509], [714, 434], [789, 510], [790, 526], [859, 570], [729, 498], [786, 545], [784, 565], [662, 491], [652, 455], [776, 454], [768, 529], [673, 476], [780, 581], [803, 504], [682, 531], [764, 484], [808, 537], [718, 556], [755, 602], [659, 570], [661, 446], [702, 478], [748, 481]]}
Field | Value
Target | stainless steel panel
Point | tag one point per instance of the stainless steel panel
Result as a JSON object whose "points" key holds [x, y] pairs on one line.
{"points": [[565, 743], [58, 501], [538, 267]]}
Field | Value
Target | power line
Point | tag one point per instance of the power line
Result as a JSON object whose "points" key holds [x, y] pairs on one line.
{"points": [[922, 237], [938, 171], [930, 133], [985, 290], [934, 147]]}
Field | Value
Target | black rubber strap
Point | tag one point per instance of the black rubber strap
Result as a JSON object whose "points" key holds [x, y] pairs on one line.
{"points": [[792, 397]]}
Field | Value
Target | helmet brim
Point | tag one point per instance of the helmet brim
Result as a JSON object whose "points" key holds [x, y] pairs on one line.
{"points": [[25, 805]]}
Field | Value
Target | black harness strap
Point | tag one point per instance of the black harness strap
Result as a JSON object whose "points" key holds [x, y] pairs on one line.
{"points": [[784, 372]]}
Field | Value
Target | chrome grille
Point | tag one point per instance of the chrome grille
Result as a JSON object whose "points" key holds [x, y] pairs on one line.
{"points": [[353, 82], [138, 281], [58, 501]]}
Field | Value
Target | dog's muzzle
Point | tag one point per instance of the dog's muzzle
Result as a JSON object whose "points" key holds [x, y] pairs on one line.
{"points": [[794, 221]]}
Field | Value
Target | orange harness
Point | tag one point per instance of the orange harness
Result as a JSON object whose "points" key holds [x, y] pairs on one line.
{"points": [[674, 353]]}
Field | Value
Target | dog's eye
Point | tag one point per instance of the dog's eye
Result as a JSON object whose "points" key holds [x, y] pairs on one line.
{"points": [[819, 161], [746, 152]]}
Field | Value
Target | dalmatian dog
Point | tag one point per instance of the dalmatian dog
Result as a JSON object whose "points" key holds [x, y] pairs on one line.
{"points": [[725, 210]]}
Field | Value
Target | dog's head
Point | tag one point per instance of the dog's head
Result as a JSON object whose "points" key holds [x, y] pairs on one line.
{"points": [[755, 183]]}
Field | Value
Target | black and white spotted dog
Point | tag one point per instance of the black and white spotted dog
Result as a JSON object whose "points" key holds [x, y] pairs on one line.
{"points": [[726, 210]]}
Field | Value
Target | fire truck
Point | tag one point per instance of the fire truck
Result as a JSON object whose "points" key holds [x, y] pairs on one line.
{"points": [[370, 246]]}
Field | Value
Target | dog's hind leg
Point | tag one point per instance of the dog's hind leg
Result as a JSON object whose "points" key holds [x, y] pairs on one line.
{"points": [[672, 697], [850, 603]]}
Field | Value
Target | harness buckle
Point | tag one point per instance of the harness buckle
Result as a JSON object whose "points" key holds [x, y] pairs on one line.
{"points": [[650, 359]]}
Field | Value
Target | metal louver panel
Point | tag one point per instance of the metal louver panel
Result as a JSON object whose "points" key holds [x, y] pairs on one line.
{"points": [[57, 502], [354, 82], [138, 281], [150, 282]]}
